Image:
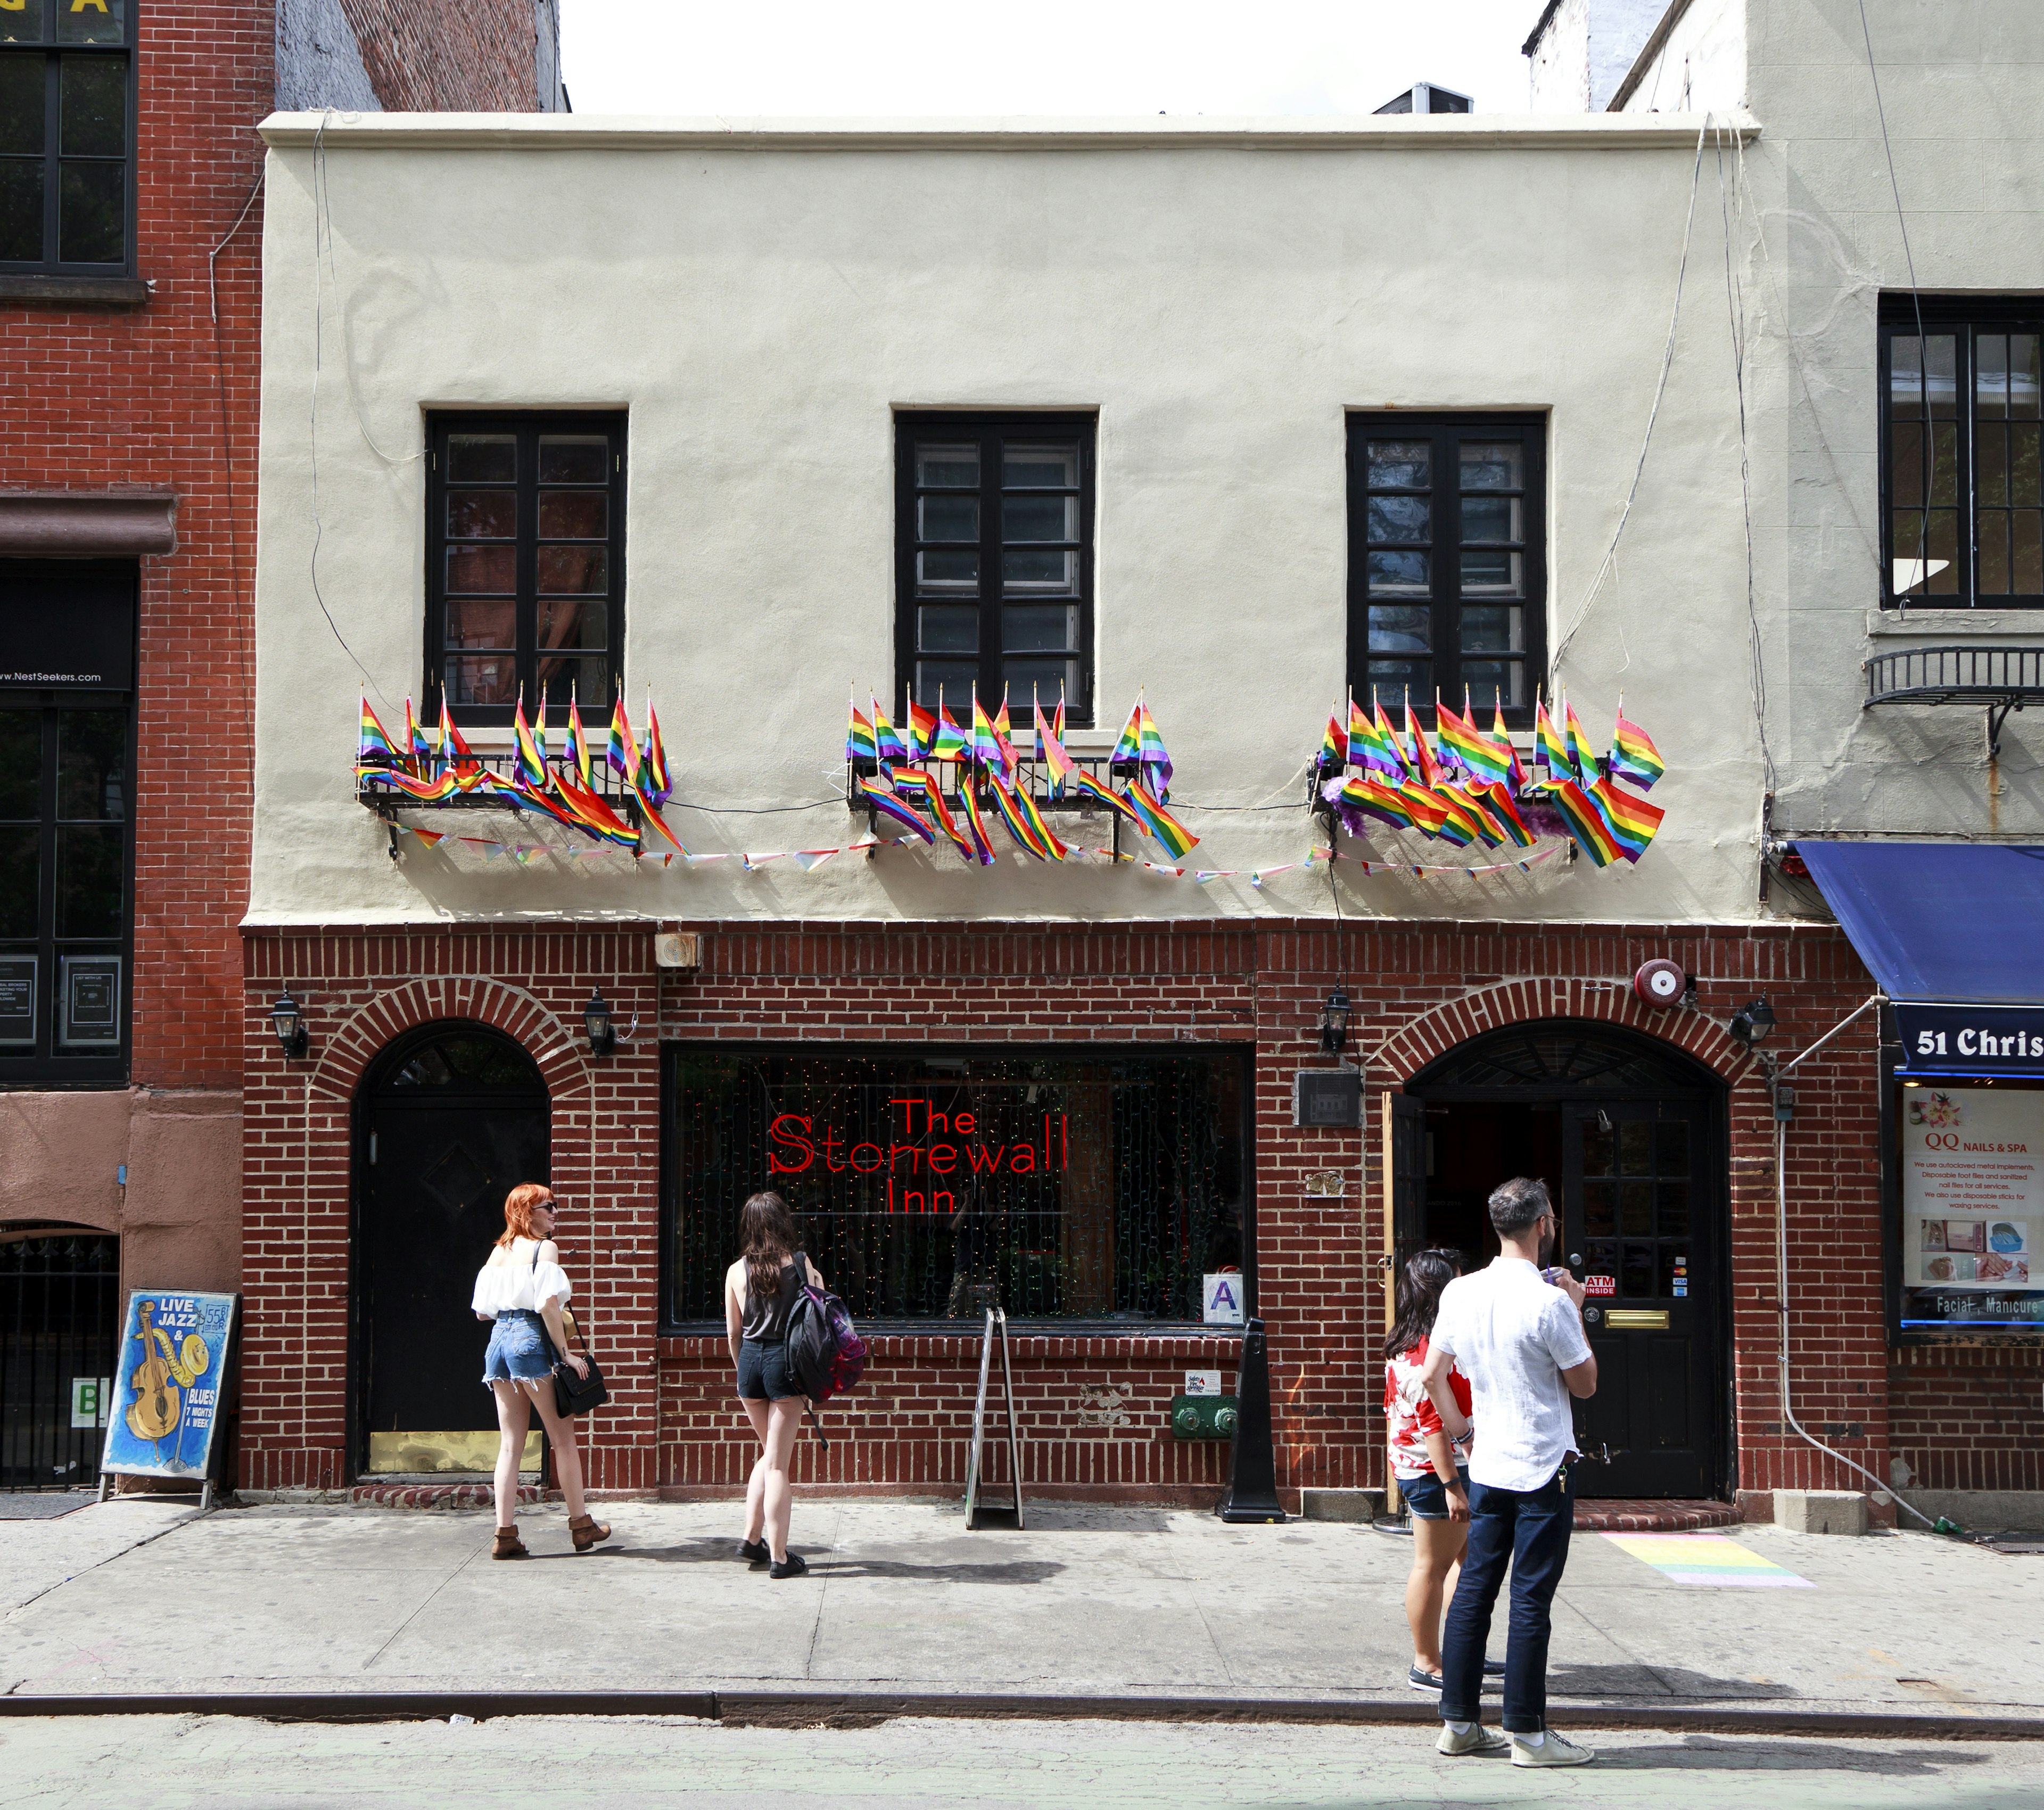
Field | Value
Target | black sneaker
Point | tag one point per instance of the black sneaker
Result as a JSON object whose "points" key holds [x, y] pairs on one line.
{"points": [[793, 1566], [754, 1553], [1420, 1679]]}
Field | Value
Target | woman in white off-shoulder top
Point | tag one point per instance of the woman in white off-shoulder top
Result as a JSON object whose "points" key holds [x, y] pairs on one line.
{"points": [[520, 1289]]}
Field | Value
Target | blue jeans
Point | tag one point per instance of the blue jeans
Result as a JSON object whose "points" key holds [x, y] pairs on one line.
{"points": [[1528, 1530]]}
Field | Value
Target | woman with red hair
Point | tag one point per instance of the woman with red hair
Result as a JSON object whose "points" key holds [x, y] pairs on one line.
{"points": [[521, 1289]]}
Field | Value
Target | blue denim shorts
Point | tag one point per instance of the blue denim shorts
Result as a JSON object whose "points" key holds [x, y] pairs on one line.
{"points": [[1427, 1496], [520, 1350], [762, 1372]]}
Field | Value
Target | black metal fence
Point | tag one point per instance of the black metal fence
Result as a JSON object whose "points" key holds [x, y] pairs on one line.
{"points": [[1082, 1189], [59, 1323]]}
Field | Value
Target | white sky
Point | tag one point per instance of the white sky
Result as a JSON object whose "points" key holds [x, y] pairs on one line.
{"points": [[896, 57]]}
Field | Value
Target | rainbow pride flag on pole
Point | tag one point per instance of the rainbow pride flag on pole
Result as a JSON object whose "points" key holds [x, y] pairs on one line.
{"points": [[951, 743], [578, 746], [1631, 820], [979, 842], [1334, 746], [1051, 753], [418, 749], [529, 767], [656, 785], [1586, 823], [1386, 803], [1516, 777], [1425, 766], [1497, 797], [1579, 756], [1142, 748], [886, 739], [1157, 822], [593, 815], [1402, 770], [897, 811], [987, 747], [1086, 786], [858, 735], [1550, 750], [922, 731], [1633, 755], [1371, 746], [372, 749], [622, 752], [1019, 826]]}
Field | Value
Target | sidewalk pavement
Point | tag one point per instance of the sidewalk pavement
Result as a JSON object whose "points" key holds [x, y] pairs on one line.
{"points": [[134, 1597]]}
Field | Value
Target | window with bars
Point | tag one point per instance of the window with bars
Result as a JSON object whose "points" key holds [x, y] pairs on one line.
{"points": [[994, 561], [1961, 481], [1447, 561], [67, 136], [524, 562]]}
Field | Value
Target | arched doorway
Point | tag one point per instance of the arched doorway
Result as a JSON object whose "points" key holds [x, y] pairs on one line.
{"points": [[1628, 1133], [448, 1121]]}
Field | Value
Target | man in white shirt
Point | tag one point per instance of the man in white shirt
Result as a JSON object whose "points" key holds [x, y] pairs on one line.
{"points": [[1518, 1339]]}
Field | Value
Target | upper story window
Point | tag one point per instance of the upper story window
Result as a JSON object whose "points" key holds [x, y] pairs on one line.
{"points": [[67, 136], [1962, 486], [993, 560], [1447, 559], [66, 725], [524, 561]]}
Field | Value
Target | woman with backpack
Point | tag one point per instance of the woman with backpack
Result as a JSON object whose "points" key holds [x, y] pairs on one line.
{"points": [[760, 1291], [1432, 1477]]}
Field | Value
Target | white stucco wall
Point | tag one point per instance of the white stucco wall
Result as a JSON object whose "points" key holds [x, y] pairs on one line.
{"points": [[762, 301]]}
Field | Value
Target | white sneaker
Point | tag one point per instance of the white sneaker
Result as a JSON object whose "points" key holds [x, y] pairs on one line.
{"points": [[1554, 1750], [1478, 1740]]}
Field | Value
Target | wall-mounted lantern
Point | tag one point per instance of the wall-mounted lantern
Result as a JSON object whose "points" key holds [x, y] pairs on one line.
{"points": [[1750, 1024], [596, 1017], [1334, 1023], [287, 1019]]}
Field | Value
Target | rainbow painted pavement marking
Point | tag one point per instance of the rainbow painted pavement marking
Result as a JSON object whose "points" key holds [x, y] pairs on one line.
{"points": [[1708, 1559]]}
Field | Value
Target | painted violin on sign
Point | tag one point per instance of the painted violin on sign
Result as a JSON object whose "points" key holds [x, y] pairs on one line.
{"points": [[164, 1371]]}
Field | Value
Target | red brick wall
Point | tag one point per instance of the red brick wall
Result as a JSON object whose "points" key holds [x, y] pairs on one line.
{"points": [[1418, 990], [96, 398], [477, 57], [1968, 1418]]}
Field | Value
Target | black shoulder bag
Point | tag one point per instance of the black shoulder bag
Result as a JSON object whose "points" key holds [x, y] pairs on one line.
{"points": [[573, 1394]]}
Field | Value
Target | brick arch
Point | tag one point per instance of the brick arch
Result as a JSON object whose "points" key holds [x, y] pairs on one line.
{"points": [[1435, 1032], [541, 1033]]}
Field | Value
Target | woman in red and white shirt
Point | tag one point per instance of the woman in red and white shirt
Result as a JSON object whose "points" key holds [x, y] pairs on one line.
{"points": [[1432, 1476]]}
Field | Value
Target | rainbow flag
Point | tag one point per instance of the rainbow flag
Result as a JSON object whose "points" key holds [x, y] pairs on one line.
{"points": [[1028, 807], [1388, 735], [374, 748], [1580, 757], [578, 746], [1058, 716], [922, 731], [1142, 748], [1461, 748], [1156, 821], [988, 749], [1550, 750], [951, 743], [1579, 811], [886, 739], [426, 791], [418, 749], [1019, 826], [1497, 797], [1004, 734], [1516, 778], [1086, 786], [1487, 757], [1458, 827], [622, 752], [1051, 753], [591, 814], [1460, 796], [1426, 768], [1631, 820], [895, 810], [1425, 805], [655, 785], [858, 737], [913, 783], [655, 837], [529, 769], [1633, 755], [979, 842], [946, 822], [456, 752], [1371, 748], [1384, 802], [1334, 747]]}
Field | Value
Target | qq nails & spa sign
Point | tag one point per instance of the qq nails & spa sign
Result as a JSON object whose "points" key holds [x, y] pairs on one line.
{"points": [[1973, 1207]]}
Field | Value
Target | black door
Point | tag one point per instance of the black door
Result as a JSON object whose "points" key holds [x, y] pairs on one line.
{"points": [[455, 1121], [1638, 1229]]}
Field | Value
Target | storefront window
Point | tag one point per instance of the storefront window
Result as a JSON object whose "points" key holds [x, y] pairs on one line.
{"points": [[1081, 1187], [1973, 1207]]}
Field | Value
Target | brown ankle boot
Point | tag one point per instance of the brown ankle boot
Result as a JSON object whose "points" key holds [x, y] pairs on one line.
{"points": [[587, 1531], [509, 1545]]}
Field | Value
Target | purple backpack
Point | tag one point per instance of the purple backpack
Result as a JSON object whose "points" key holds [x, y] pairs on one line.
{"points": [[825, 1353]]}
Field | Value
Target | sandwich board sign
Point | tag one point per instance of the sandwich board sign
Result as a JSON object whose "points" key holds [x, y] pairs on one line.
{"points": [[169, 1381]]}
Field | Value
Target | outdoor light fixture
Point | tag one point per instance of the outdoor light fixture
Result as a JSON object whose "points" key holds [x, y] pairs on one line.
{"points": [[1334, 1023], [596, 1015], [1751, 1023], [287, 1019]]}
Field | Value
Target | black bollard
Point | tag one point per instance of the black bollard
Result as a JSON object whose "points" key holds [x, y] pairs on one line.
{"points": [[1252, 1465]]}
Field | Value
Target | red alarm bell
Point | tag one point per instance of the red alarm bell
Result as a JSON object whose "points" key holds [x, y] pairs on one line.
{"points": [[1660, 982]]}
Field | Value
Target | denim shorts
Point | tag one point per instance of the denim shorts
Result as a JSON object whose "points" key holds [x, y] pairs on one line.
{"points": [[520, 1350], [1427, 1496], [763, 1371]]}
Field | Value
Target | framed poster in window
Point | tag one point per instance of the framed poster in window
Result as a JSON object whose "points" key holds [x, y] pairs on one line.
{"points": [[17, 1001], [89, 1016], [1972, 1208]]}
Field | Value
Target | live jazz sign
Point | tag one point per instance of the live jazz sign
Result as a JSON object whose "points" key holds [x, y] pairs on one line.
{"points": [[1971, 1039]]}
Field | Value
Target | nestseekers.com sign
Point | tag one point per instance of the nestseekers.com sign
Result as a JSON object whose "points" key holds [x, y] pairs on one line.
{"points": [[1972, 1039]]}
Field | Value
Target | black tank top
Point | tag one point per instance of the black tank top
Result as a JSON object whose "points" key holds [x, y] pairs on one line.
{"points": [[767, 1321]]}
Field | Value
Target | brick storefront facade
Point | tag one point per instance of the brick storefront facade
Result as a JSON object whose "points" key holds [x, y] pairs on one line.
{"points": [[1093, 1407]]}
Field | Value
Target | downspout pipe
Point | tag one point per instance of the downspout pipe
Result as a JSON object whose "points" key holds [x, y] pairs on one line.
{"points": [[1774, 1077]]}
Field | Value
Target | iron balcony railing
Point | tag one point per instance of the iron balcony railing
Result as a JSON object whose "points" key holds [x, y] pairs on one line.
{"points": [[1996, 679]]}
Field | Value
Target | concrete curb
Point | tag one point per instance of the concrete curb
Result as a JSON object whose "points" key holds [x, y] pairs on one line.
{"points": [[866, 1709]]}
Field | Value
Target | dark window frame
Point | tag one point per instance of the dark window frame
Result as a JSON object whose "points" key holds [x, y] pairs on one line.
{"points": [[527, 425], [1964, 318], [1241, 1055], [1444, 428], [47, 1067], [52, 51], [990, 429]]}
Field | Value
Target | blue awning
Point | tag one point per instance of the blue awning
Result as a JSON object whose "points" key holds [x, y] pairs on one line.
{"points": [[1948, 921]]}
